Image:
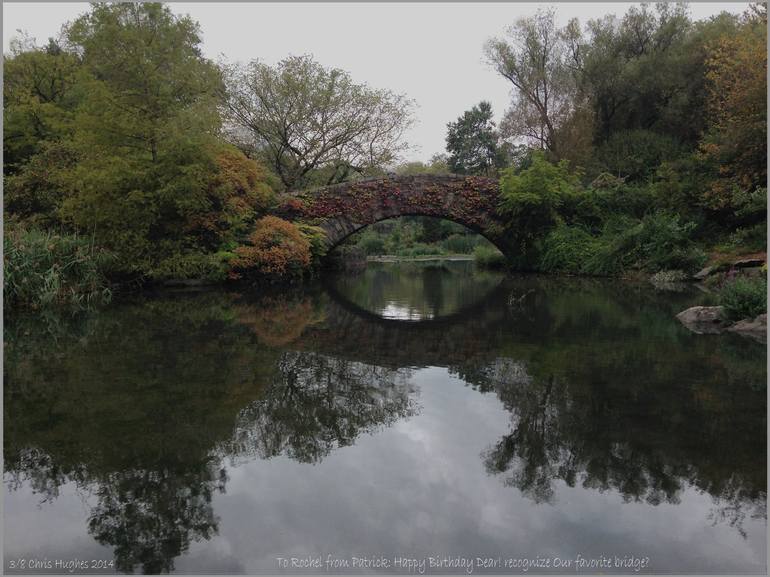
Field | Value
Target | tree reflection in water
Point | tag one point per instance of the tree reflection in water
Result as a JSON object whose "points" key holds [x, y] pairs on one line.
{"points": [[320, 403], [142, 421], [141, 405]]}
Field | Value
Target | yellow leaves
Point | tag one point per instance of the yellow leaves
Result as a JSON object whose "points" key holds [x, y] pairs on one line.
{"points": [[240, 176], [737, 102]]}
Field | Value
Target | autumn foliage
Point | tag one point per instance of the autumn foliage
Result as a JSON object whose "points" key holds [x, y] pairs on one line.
{"points": [[737, 141], [237, 193], [277, 249], [278, 322]]}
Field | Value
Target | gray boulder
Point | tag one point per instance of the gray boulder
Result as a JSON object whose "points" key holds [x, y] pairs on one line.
{"points": [[701, 274], [755, 329], [704, 320]]}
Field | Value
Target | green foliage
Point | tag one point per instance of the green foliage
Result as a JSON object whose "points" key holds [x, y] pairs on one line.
{"points": [[460, 243], [750, 238], [150, 86], [130, 156], [371, 243], [472, 142], [532, 198], [150, 181], [641, 72], [487, 256], [744, 297], [658, 241], [634, 155], [420, 249], [662, 242], [194, 266], [37, 189], [568, 249], [415, 236], [751, 205], [41, 269], [317, 238], [40, 94], [438, 164]]}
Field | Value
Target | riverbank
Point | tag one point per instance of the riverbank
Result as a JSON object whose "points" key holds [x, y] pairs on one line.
{"points": [[426, 258]]}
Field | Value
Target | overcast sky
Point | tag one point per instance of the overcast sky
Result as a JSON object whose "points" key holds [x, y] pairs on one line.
{"points": [[432, 52]]}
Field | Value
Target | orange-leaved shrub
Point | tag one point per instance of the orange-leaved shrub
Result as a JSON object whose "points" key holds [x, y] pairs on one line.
{"points": [[237, 192], [278, 249]]}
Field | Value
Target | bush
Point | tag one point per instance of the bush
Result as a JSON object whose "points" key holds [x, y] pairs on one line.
{"points": [[42, 268], [35, 192], [567, 249], [669, 276], [278, 250], [662, 242], [744, 297], [611, 198], [371, 242], [611, 255], [420, 249], [752, 238], [460, 243], [751, 205], [198, 266], [235, 195], [487, 256], [658, 241], [317, 238], [533, 198]]}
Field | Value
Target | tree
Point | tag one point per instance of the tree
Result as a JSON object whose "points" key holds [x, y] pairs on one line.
{"points": [[39, 94], [438, 164], [472, 142], [150, 82], [152, 182], [641, 72], [532, 199], [540, 61], [737, 101], [311, 124]]}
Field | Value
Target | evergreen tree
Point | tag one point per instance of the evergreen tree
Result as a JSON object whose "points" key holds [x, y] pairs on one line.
{"points": [[472, 142]]}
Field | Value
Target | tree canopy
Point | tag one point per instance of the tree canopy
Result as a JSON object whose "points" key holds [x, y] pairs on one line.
{"points": [[114, 133], [312, 124], [473, 143]]}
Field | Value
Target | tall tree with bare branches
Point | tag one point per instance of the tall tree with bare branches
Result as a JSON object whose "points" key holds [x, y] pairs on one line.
{"points": [[540, 61], [313, 125]]}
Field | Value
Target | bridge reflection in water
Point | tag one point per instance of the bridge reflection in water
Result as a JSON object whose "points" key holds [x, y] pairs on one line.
{"points": [[144, 404]]}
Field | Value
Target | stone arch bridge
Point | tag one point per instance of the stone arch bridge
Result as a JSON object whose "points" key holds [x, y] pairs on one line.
{"points": [[343, 209]]}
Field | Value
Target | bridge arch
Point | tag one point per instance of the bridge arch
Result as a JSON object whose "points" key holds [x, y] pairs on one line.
{"points": [[343, 209]]}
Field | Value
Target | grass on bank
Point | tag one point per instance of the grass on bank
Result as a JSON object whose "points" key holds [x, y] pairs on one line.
{"points": [[45, 268], [743, 297]]}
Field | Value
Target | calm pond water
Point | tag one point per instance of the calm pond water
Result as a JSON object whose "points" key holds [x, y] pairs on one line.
{"points": [[402, 414]]}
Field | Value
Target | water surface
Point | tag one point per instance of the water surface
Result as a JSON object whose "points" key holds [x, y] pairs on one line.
{"points": [[407, 412]]}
